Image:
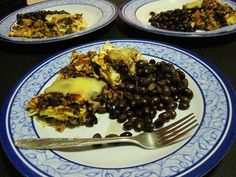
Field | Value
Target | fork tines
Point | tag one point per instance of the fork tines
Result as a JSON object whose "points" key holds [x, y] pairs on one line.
{"points": [[172, 133]]}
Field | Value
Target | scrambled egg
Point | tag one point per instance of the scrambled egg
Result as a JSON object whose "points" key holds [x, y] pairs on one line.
{"points": [[104, 64]]}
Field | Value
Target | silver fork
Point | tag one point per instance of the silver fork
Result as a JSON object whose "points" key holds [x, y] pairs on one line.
{"points": [[165, 136]]}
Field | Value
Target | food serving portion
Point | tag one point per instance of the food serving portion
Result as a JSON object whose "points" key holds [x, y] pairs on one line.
{"points": [[213, 105], [203, 15], [183, 18], [56, 20], [115, 81], [47, 24]]}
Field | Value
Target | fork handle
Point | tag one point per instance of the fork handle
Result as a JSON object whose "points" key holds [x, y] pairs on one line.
{"points": [[62, 143]]}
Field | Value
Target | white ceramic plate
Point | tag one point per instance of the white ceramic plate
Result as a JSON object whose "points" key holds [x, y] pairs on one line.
{"points": [[213, 104], [136, 13], [97, 14]]}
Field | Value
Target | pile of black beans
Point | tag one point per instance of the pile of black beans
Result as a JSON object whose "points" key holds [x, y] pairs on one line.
{"points": [[175, 20], [155, 88]]}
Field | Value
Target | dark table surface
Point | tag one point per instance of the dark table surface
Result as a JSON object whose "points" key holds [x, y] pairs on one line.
{"points": [[17, 59]]}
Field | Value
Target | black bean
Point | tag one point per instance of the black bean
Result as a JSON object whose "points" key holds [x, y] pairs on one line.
{"points": [[128, 125], [166, 90], [184, 99], [122, 85], [142, 90], [148, 120], [143, 101], [173, 89], [183, 84], [101, 110], [175, 97], [130, 87], [153, 77], [141, 63], [138, 113], [97, 135], [128, 108], [139, 72], [92, 119], [89, 123], [132, 78], [113, 114], [133, 103], [143, 81], [122, 104], [172, 114], [122, 118], [152, 61], [128, 95], [155, 100], [148, 127], [168, 81], [158, 89], [148, 98], [133, 119], [188, 92], [176, 80], [137, 97], [152, 13], [146, 110], [167, 99], [109, 106], [116, 112], [139, 125], [161, 82], [172, 106], [90, 109], [147, 71], [159, 123], [160, 106], [181, 74], [130, 113], [126, 134], [183, 106], [164, 116], [95, 120], [153, 113]]}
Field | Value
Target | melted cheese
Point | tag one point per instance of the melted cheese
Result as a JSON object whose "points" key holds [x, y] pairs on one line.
{"points": [[87, 87], [56, 17], [195, 4]]}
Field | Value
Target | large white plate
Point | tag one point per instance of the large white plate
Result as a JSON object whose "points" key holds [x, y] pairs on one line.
{"points": [[97, 13], [136, 13], [213, 104]]}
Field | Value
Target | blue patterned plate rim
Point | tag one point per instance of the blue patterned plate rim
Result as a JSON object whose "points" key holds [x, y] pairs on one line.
{"points": [[202, 164], [107, 9], [127, 12]]}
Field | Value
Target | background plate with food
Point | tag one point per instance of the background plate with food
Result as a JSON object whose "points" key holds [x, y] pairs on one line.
{"points": [[213, 105], [194, 18], [45, 27]]}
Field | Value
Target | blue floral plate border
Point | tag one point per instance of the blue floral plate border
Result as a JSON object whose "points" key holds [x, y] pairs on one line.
{"points": [[197, 156]]}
